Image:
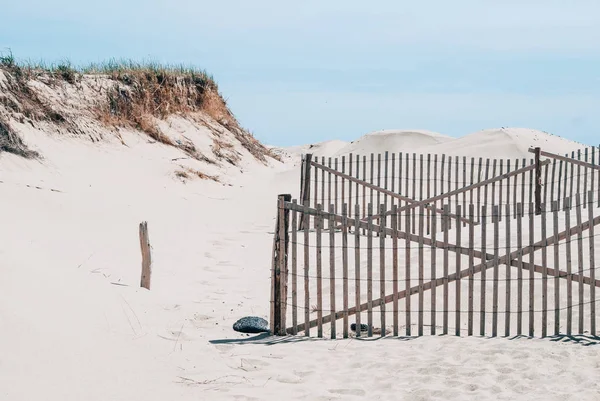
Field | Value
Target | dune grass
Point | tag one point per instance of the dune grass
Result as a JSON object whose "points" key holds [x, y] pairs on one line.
{"points": [[138, 93]]}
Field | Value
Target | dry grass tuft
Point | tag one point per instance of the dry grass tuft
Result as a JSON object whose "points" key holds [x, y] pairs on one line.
{"points": [[10, 142], [187, 173]]}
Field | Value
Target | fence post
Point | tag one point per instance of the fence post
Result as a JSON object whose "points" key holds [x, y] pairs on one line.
{"points": [[146, 256], [538, 182], [279, 274], [305, 187]]}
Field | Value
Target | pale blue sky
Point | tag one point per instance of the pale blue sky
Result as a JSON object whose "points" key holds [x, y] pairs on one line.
{"points": [[311, 70]]}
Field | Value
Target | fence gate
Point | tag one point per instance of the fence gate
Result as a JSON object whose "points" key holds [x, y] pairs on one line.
{"points": [[467, 261]]}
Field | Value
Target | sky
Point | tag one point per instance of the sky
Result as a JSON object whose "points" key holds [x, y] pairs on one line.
{"points": [[310, 71]]}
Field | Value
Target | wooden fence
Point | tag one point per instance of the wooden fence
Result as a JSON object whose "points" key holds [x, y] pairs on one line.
{"points": [[407, 180], [432, 265]]}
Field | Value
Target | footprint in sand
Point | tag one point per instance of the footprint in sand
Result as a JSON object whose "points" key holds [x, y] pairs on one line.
{"points": [[224, 348], [348, 391], [176, 335], [201, 321], [245, 398], [251, 365], [288, 379]]}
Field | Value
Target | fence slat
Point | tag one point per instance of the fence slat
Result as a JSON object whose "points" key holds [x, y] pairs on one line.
{"points": [[345, 263], [385, 181], [500, 191], [350, 172], [395, 266], [493, 202], [546, 168], [552, 193], [523, 186], [471, 182], [592, 172], [317, 185], [378, 183], [567, 164], [592, 263], [567, 203], [370, 271], [483, 272], [520, 270], [364, 193], [449, 221], [515, 188], [428, 192], [343, 184], [294, 230], [572, 178], [336, 192], [471, 265], [556, 267], [434, 268], [319, 229], [357, 267], [531, 181], [531, 269], [446, 272], [464, 197], [579, 257], [382, 264], [329, 198], [495, 220], [393, 179], [458, 268], [507, 224], [442, 170], [414, 189], [332, 269], [544, 273], [421, 269], [400, 187], [479, 189], [306, 271], [407, 271], [585, 179], [407, 174], [456, 176], [560, 195]]}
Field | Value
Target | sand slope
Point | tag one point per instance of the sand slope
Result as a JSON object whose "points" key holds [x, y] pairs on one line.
{"points": [[490, 143], [75, 324], [505, 143], [393, 140]]}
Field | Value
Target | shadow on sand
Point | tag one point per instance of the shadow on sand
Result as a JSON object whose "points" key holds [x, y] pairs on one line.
{"points": [[267, 339]]}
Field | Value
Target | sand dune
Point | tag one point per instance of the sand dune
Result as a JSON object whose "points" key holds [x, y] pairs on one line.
{"points": [[505, 143], [393, 140], [489, 143]]}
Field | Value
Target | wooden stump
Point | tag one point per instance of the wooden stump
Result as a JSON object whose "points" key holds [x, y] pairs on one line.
{"points": [[146, 255]]}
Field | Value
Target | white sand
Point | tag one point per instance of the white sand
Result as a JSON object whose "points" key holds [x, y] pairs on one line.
{"points": [[493, 143], [75, 325], [504, 143], [380, 141]]}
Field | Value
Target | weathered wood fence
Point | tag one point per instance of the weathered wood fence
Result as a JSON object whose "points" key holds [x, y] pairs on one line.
{"points": [[407, 266], [410, 179]]}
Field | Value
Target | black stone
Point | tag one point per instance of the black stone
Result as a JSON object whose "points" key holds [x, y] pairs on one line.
{"points": [[251, 324], [363, 327]]}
